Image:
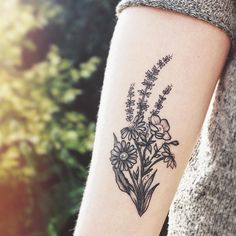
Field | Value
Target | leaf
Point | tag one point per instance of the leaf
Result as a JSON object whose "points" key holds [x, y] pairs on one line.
{"points": [[141, 144], [152, 141], [149, 148], [166, 147], [143, 137], [155, 147], [157, 155], [148, 197], [122, 181], [133, 197], [147, 171], [147, 162], [136, 173], [115, 138], [148, 183]]}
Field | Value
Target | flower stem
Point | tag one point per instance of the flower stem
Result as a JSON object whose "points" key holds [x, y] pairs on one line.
{"points": [[156, 161], [140, 192], [145, 149], [141, 161], [157, 151]]}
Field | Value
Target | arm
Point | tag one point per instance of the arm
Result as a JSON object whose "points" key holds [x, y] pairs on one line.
{"points": [[132, 182]]}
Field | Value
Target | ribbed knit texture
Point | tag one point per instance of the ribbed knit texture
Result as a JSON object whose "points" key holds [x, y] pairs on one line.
{"points": [[205, 203]]}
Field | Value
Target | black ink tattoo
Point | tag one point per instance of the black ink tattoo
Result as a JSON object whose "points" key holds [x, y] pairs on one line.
{"points": [[143, 144]]}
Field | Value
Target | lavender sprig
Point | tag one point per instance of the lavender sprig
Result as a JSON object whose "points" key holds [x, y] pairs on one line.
{"points": [[159, 104], [130, 104], [150, 77]]}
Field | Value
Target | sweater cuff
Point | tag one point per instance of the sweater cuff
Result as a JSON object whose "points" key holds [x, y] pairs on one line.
{"points": [[218, 12]]}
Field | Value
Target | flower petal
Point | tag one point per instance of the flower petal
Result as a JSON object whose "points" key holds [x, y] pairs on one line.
{"points": [[114, 153], [129, 164], [153, 127], [159, 135], [165, 154], [133, 160], [175, 164], [136, 118], [123, 144], [114, 161], [166, 136], [121, 166], [118, 146], [135, 134], [129, 136], [124, 132], [167, 159], [165, 124], [116, 149], [131, 150], [155, 120], [117, 165], [125, 166]]}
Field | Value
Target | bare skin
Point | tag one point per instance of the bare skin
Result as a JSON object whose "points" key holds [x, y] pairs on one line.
{"points": [[142, 36]]}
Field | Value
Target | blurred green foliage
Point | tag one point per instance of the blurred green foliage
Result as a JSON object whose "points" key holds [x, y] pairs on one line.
{"points": [[52, 57]]}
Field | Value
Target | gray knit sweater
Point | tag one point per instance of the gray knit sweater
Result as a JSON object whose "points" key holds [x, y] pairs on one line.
{"points": [[205, 203]]}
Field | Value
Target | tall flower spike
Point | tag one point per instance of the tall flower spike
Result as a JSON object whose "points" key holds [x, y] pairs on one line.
{"points": [[130, 103]]}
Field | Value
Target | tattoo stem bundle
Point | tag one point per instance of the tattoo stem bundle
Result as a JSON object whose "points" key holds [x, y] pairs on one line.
{"points": [[143, 144]]}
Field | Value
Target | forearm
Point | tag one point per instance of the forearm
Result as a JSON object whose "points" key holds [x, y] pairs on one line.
{"points": [[118, 201]]}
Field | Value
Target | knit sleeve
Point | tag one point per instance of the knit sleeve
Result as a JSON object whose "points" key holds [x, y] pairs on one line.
{"points": [[220, 13]]}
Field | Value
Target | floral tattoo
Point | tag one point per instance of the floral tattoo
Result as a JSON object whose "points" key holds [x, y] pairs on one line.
{"points": [[143, 144]]}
